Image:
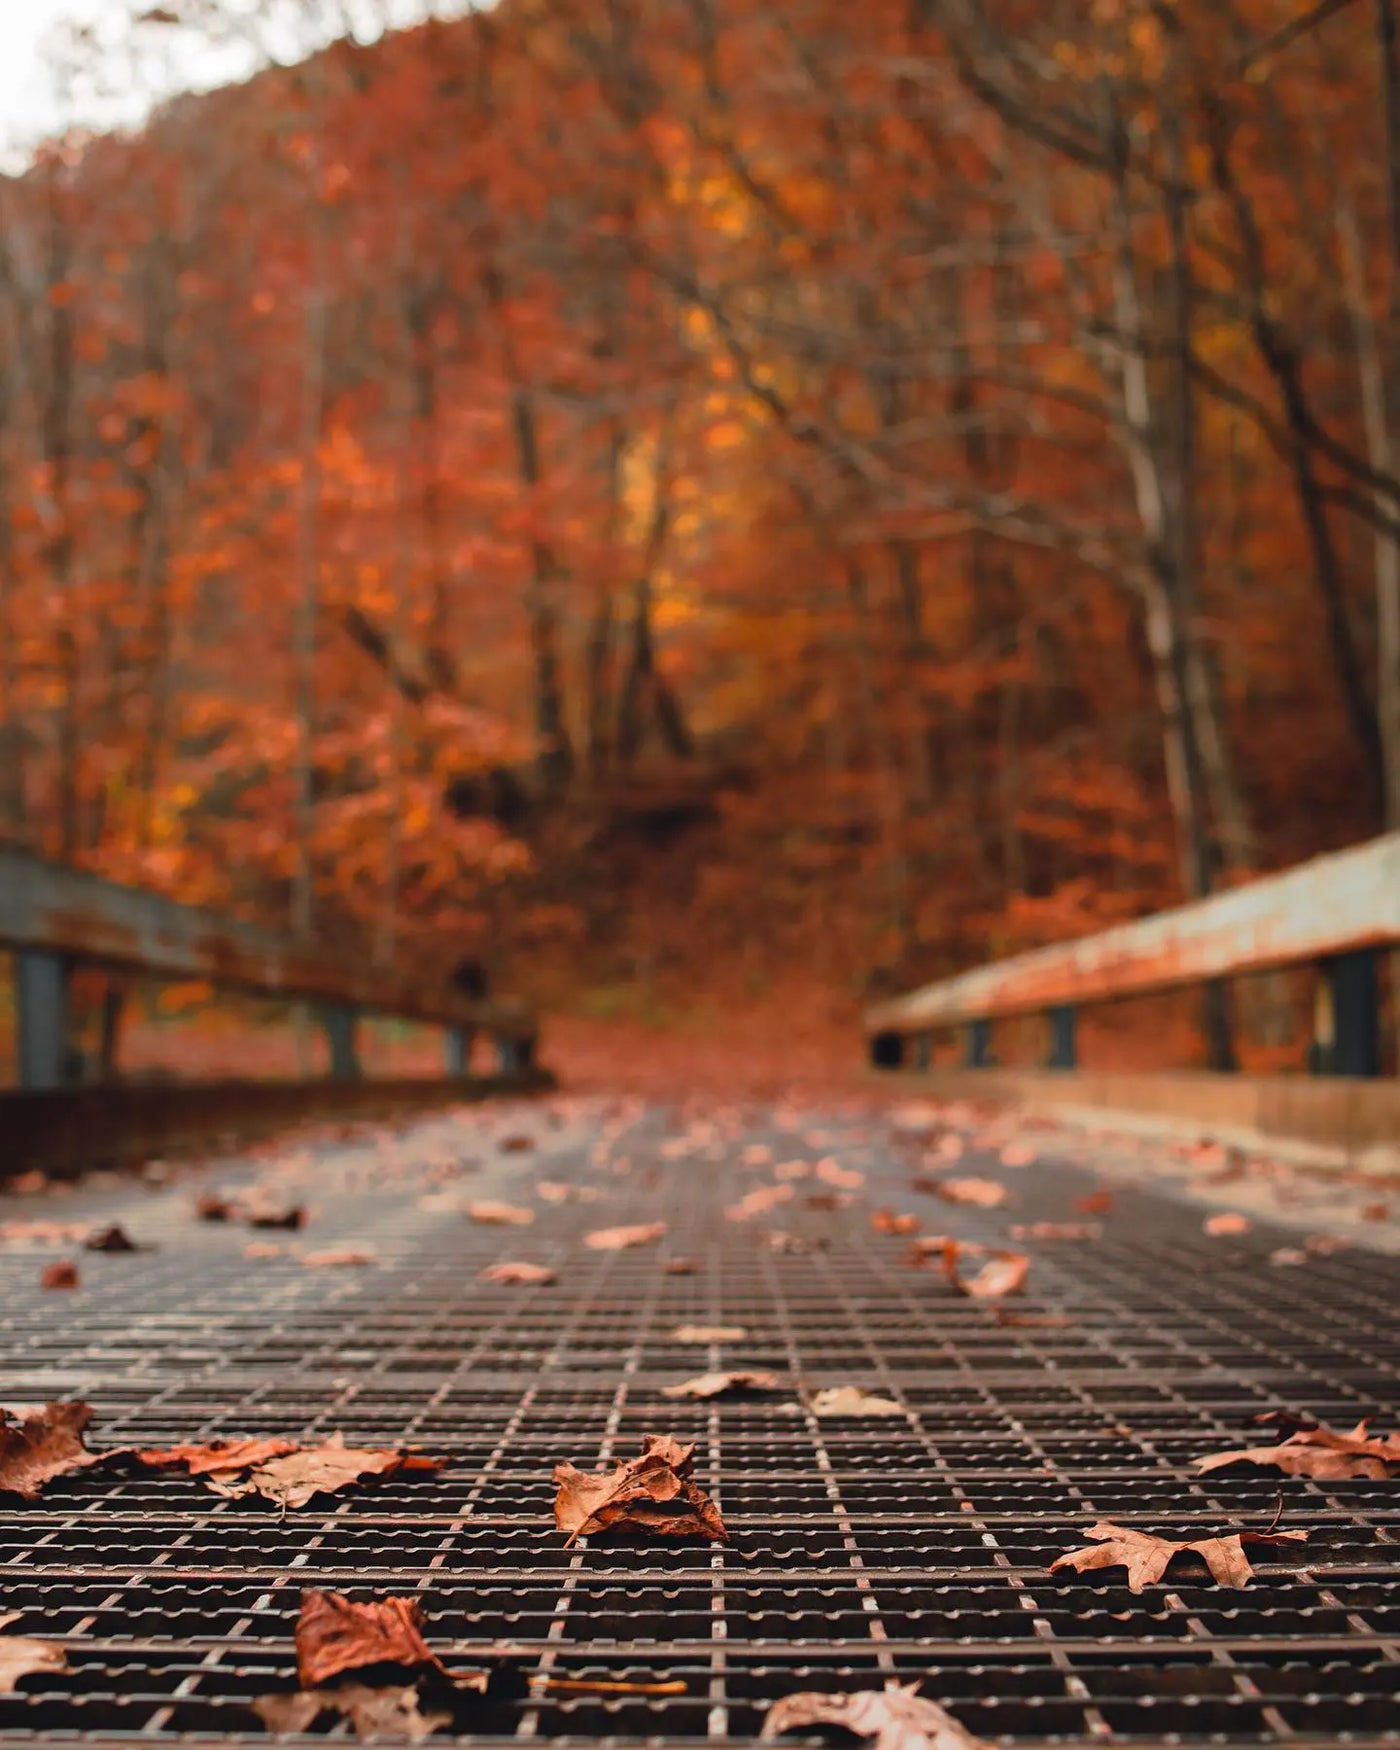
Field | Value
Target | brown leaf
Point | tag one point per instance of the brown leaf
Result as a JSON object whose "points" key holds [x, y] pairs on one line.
{"points": [[42, 1444], [515, 1145], [1226, 1223], [653, 1493], [1056, 1230], [511, 1271], [22, 1657], [788, 1170], [44, 1233], [724, 1385], [1324, 1453], [112, 1239], [284, 1471], [828, 1200], [1147, 1557], [1018, 1154], [708, 1334], [850, 1400], [213, 1206], [62, 1273], [759, 1202], [554, 1192], [1031, 1321], [1375, 1212], [262, 1249], [1284, 1256], [374, 1713], [335, 1635], [1003, 1272], [885, 1221], [984, 1193], [267, 1215], [1095, 1203], [618, 1239], [336, 1257], [500, 1214], [681, 1267], [831, 1172], [894, 1718]]}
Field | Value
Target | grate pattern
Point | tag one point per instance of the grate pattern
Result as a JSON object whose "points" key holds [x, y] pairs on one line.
{"points": [[913, 1547]]}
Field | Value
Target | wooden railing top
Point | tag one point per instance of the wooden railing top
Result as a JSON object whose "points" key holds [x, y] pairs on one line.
{"points": [[51, 908], [1333, 904]]}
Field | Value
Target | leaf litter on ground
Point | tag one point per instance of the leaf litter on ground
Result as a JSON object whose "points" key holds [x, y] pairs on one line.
{"points": [[1325, 1453], [1147, 1557], [653, 1493], [285, 1471]]}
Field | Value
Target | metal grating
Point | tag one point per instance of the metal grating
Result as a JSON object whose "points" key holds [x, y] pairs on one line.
{"points": [[913, 1548]]}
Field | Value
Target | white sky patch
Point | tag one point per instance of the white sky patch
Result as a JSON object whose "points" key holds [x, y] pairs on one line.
{"points": [[104, 63]]}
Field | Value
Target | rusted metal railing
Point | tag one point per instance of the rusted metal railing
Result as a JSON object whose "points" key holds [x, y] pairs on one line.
{"points": [[1337, 912], [54, 918]]}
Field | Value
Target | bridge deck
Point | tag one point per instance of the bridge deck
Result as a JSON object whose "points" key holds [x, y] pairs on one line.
{"points": [[914, 1547]]}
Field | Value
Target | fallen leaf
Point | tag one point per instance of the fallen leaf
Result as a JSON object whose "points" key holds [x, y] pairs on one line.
{"points": [[831, 1172], [212, 1206], [334, 1257], [22, 1657], [1147, 1557], [515, 1145], [885, 1221], [1375, 1212], [984, 1193], [554, 1192], [500, 1214], [1095, 1203], [708, 1334], [1056, 1230], [759, 1202], [757, 1154], [62, 1273], [681, 1267], [292, 1474], [721, 1385], [374, 1713], [1323, 1245], [1226, 1223], [1001, 1274], [850, 1400], [269, 1215], [1018, 1154], [263, 1249], [25, 1184], [653, 1493], [1004, 1315], [513, 1272], [335, 1635], [895, 1718], [112, 1239], [44, 1233], [1286, 1255], [777, 1240], [1321, 1452], [39, 1444], [618, 1239], [788, 1170], [828, 1200]]}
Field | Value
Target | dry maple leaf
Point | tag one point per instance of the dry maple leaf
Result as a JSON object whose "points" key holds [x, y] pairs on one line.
{"points": [[1324, 1453], [112, 1239], [850, 1400], [885, 1221], [334, 1635], [618, 1239], [1031, 1321], [759, 1202], [708, 1334], [1095, 1203], [284, 1471], [513, 1271], [828, 1200], [63, 1273], [500, 1214], [22, 1657], [1226, 1223], [984, 1193], [894, 1718], [1003, 1272], [391, 1712], [338, 1257], [653, 1493], [43, 1443], [1147, 1557], [831, 1172], [681, 1267], [212, 1457], [724, 1385], [1017, 1154], [787, 1170]]}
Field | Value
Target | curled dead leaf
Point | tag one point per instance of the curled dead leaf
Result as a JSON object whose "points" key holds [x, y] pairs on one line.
{"points": [[1095, 1203], [62, 1273], [653, 1493], [681, 1267], [44, 1233], [620, 1239], [831, 1172], [724, 1385], [981, 1193], [39, 1444], [285, 1471], [1018, 1154], [1004, 1315], [500, 1214], [1002, 1272], [334, 1635], [893, 1718], [339, 1257], [22, 1657], [1227, 1222], [1056, 1230], [512, 1271], [112, 1239], [1325, 1453], [759, 1202], [708, 1334], [1147, 1557], [885, 1221], [391, 1712], [850, 1400]]}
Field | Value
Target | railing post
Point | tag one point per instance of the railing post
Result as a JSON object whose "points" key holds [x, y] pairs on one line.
{"points": [[41, 995], [1063, 1046], [459, 1051], [886, 1050], [977, 1044], [339, 1020], [1346, 1016]]}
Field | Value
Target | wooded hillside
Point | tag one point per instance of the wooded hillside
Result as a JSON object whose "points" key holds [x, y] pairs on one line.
{"points": [[693, 487]]}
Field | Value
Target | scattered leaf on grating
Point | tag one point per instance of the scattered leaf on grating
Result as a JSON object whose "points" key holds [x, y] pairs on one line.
{"points": [[1325, 1453], [724, 1385], [1147, 1557], [653, 1493], [893, 1718]]}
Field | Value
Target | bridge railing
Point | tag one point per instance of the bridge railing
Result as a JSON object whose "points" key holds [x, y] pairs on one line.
{"points": [[1337, 913], [54, 918]]}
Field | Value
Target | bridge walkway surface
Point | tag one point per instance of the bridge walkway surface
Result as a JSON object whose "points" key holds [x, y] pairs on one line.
{"points": [[913, 1546]]}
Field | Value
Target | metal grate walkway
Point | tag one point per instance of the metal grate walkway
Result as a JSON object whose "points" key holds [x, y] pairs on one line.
{"points": [[913, 1547]]}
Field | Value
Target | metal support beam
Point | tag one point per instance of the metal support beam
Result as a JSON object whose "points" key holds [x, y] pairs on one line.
{"points": [[1346, 1016], [41, 997], [977, 1044], [459, 1051], [339, 1023], [1064, 1052]]}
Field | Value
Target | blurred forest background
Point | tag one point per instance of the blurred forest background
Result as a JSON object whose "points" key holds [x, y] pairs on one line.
{"points": [[713, 495]]}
